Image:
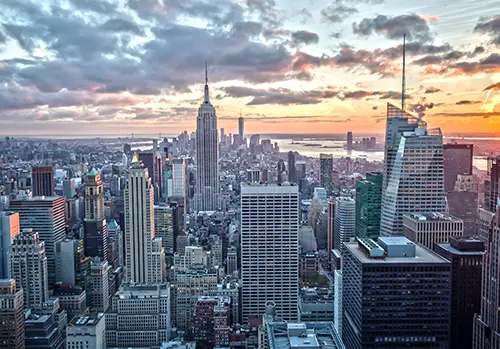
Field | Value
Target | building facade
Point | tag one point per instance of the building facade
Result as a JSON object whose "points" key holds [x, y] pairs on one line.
{"points": [[344, 227], [431, 228], [100, 274], [95, 238], [42, 181], [326, 171], [270, 249], [11, 315], [86, 331], [368, 205], [457, 160], [9, 228]]}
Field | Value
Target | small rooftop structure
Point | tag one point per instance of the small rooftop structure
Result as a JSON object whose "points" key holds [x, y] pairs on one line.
{"points": [[303, 335]]}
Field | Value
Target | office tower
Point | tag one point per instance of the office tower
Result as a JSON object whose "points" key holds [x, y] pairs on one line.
{"points": [[179, 178], [11, 315], [232, 260], [73, 300], [42, 180], [148, 161], [9, 228], [241, 129], [395, 294], [457, 160], [192, 285], [164, 229], [292, 171], [207, 156], [158, 175], [72, 266], [139, 316], [212, 317], [86, 331], [300, 167], [414, 179], [28, 266], [116, 255], [139, 226], [337, 301], [491, 185], [349, 141], [69, 188], [330, 225], [344, 225], [466, 256], [326, 171], [41, 332], [95, 238], [368, 205], [486, 333], [46, 216], [431, 228], [99, 274], [281, 171], [321, 194], [270, 249], [253, 176], [463, 201]]}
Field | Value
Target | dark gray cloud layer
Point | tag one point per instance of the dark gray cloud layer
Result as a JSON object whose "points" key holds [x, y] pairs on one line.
{"points": [[490, 27], [414, 26]]}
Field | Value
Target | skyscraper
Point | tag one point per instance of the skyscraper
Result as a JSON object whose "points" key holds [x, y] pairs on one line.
{"points": [[270, 249], [368, 205], [241, 129], [463, 202], [148, 161], [164, 229], [330, 226], [486, 334], [207, 156], [95, 238], [344, 225], [349, 141], [281, 171], [46, 216], [42, 180], [326, 171], [413, 172], [292, 171], [466, 256], [179, 178], [28, 266], [385, 286], [100, 271], [431, 228], [72, 266], [9, 228], [11, 315], [491, 184], [139, 226], [457, 160]]}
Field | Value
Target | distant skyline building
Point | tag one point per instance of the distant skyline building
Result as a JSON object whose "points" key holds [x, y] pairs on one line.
{"points": [[9, 228], [326, 171], [207, 190], [72, 266], [270, 249], [179, 178], [413, 170], [28, 266], [384, 285], [491, 188], [11, 315], [466, 256], [281, 171], [344, 226], [368, 205], [43, 182], [457, 160], [241, 129], [139, 227], [100, 274], [95, 237], [431, 228], [349, 141], [330, 226], [46, 216], [292, 171], [463, 202]]}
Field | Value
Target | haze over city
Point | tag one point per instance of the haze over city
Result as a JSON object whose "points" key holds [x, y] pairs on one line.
{"points": [[115, 67]]}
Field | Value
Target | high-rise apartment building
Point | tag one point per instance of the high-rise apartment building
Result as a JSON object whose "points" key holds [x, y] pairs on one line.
{"points": [[9, 228], [466, 256], [270, 249], [292, 171], [139, 227], [344, 225], [207, 157], [99, 274], [395, 294], [212, 316], [42, 181], [413, 173], [139, 316], [46, 216], [457, 160], [368, 205], [326, 171], [28, 266], [95, 238], [486, 333], [431, 228], [11, 315]]}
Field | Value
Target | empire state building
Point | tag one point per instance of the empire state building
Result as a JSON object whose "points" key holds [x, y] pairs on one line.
{"points": [[207, 156]]}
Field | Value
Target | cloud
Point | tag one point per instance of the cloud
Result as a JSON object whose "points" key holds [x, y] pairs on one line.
{"points": [[304, 37], [484, 115], [305, 15], [336, 12], [490, 27], [467, 102], [488, 65], [432, 89], [495, 86], [415, 27]]}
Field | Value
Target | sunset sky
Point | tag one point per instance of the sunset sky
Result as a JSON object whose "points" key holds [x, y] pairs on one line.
{"points": [[292, 66]]}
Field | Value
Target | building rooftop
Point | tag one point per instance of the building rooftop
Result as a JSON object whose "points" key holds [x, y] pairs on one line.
{"points": [[86, 320], [282, 335], [464, 245], [432, 216], [285, 187], [142, 291]]}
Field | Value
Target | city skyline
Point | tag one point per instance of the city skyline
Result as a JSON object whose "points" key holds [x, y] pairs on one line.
{"points": [[316, 66]]}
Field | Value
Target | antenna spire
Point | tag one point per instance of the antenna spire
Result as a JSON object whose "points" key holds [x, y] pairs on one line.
{"points": [[206, 73], [404, 74], [206, 98]]}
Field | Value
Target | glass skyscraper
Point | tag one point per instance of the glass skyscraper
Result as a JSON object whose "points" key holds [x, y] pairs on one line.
{"points": [[368, 203]]}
